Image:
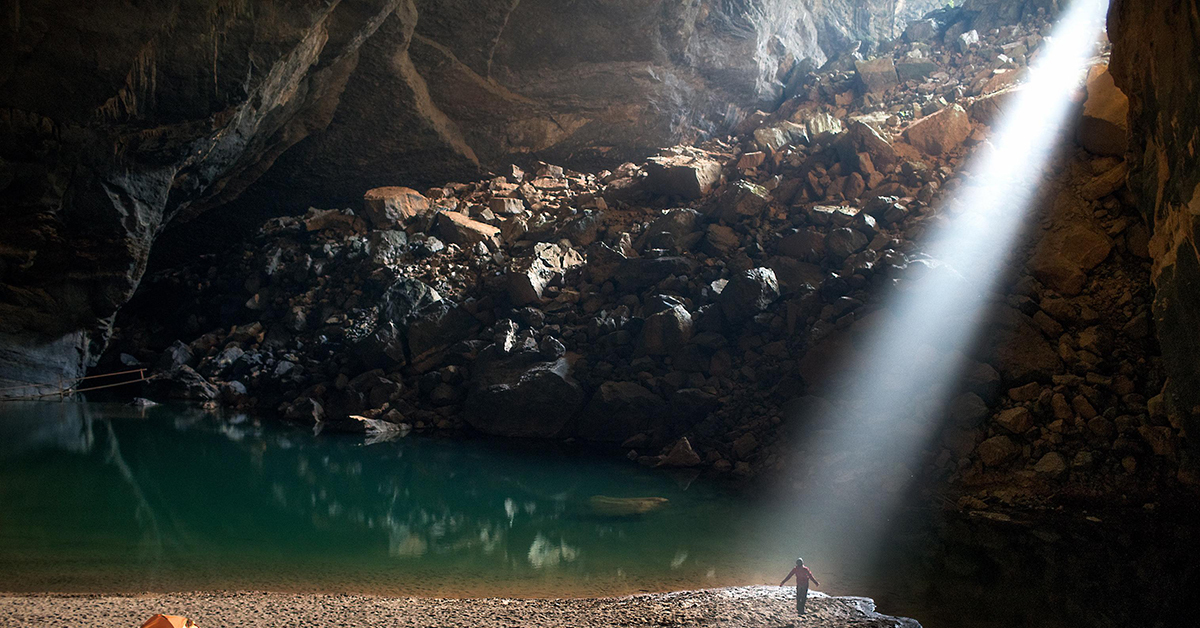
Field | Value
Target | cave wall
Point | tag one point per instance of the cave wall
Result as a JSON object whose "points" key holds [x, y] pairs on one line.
{"points": [[1156, 61], [117, 116], [120, 117]]}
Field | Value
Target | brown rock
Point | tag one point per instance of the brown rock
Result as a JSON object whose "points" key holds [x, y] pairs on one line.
{"points": [[683, 175], [389, 207], [997, 450], [1106, 183], [877, 75], [457, 229], [528, 277], [1104, 128], [1016, 420], [941, 132], [807, 245], [681, 455]]}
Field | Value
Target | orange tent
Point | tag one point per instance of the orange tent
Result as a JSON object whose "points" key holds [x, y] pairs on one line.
{"points": [[168, 621]]}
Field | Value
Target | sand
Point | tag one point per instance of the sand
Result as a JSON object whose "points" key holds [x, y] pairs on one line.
{"points": [[738, 606]]}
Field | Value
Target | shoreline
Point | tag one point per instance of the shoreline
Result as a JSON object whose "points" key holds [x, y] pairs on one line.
{"points": [[730, 606]]}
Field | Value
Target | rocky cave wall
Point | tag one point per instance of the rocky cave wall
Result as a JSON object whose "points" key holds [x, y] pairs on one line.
{"points": [[1156, 61], [117, 118]]}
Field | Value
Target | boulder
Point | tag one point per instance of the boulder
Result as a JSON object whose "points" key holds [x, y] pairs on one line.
{"points": [[391, 207], [997, 450], [915, 68], [749, 293], [680, 455], [404, 298], [844, 242], [638, 273], [458, 229], [743, 199], [619, 410], [806, 245], [1104, 127], [1017, 420], [521, 395], [719, 240], [1052, 464], [940, 133], [506, 206], [684, 175], [439, 326], [528, 277], [672, 230], [337, 220], [1018, 349], [666, 331], [877, 75], [1105, 184], [921, 31]]}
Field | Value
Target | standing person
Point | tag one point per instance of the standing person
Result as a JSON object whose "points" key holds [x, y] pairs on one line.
{"points": [[803, 575]]}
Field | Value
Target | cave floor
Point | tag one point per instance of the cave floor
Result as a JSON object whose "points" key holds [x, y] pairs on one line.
{"points": [[742, 606]]}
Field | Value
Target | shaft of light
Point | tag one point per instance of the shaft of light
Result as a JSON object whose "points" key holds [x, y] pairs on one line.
{"points": [[889, 406]]}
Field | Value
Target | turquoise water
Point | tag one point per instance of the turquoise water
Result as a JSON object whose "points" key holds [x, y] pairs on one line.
{"points": [[105, 497], [108, 498]]}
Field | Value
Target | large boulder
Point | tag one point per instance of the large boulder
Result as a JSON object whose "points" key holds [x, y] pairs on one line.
{"points": [[1018, 349], [391, 207], [749, 293], [686, 175], [528, 277], [877, 75], [619, 410], [666, 331], [521, 395], [940, 133], [437, 327], [458, 229], [1104, 127]]}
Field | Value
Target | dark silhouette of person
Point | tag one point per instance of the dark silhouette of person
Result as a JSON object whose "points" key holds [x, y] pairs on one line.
{"points": [[803, 575]]}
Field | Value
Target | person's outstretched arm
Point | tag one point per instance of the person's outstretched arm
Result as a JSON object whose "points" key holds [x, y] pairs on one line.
{"points": [[789, 576], [813, 578]]}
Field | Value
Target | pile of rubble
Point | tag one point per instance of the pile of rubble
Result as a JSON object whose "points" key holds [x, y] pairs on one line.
{"points": [[667, 307]]}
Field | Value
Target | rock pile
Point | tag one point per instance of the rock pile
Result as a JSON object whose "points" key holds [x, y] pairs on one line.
{"points": [[670, 307]]}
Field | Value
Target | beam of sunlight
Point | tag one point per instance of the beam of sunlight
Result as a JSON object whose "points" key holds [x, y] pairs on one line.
{"points": [[904, 361]]}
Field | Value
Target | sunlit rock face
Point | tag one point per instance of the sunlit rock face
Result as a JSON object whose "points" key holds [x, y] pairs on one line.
{"points": [[1156, 59], [117, 119]]}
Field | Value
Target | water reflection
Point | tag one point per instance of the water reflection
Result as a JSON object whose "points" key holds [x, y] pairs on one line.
{"points": [[101, 497]]}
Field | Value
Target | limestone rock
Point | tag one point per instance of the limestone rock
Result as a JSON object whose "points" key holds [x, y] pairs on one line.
{"points": [[742, 199], [941, 132], [391, 207], [1052, 464], [749, 293], [528, 277], [458, 229], [521, 395], [1105, 184], [1019, 350], [684, 175], [618, 410], [1104, 127], [997, 450], [1017, 420], [877, 75], [666, 331], [681, 455]]}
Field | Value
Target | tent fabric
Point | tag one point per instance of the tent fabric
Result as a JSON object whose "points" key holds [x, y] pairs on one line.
{"points": [[168, 621]]}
